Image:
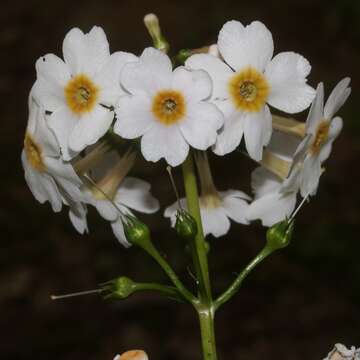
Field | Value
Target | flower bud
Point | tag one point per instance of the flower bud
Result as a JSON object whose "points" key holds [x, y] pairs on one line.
{"points": [[185, 225], [151, 22], [136, 232], [279, 235], [119, 288]]}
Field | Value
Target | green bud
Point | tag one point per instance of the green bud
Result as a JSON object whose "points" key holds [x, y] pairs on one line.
{"points": [[185, 225], [151, 22], [136, 232], [119, 288], [279, 235]]}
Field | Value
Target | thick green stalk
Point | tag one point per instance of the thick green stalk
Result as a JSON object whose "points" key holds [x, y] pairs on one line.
{"points": [[199, 252], [234, 287], [205, 307], [206, 319]]}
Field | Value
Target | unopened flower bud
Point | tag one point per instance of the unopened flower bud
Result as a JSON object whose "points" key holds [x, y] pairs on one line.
{"points": [[185, 225], [279, 235], [119, 288], [136, 232], [151, 22]]}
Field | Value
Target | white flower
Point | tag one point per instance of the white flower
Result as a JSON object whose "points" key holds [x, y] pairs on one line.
{"points": [[80, 90], [341, 352], [321, 131], [166, 108], [132, 194], [248, 80], [216, 211], [47, 175], [216, 207], [275, 197], [270, 204]]}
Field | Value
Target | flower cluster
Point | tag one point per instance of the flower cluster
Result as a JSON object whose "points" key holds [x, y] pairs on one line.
{"points": [[93, 112]]}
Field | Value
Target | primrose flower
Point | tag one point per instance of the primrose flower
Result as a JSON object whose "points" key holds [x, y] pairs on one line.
{"points": [[81, 90], [47, 175], [248, 80], [276, 183], [167, 109], [321, 129], [114, 195], [216, 207], [341, 352]]}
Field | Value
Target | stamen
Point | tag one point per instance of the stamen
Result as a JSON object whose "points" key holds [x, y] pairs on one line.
{"points": [[168, 169], [80, 293], [292, 217]]}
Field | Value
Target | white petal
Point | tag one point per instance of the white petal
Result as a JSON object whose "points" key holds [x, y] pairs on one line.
{"points": [[219, 72], [42, 185], [200, 125], [52, 77], [62, 122], [118, 230], [170, 211], [272, 208], [153, 72], [286, 74], [40, 132], [337, 98], [316, 113], [257, 131], [164, 142], [90, 128], [195, 85], [134, 116], [135, 194], [250, 46], [334, 131], [79, 221], [310, 175], [32, 180], [264, 182], [235, 205], [215, 221], [231, 133], [86, 53], [106, 210], [108, 78]]}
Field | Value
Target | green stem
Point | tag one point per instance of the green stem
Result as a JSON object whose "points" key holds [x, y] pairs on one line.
{"points": [[234, 287], [206, 319], [169, 291], [154, 253], [198, 248]]}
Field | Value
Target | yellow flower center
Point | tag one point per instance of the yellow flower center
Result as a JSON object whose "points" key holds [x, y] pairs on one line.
{"points": [[168, 106], [249, 90], [321, 136], [33, 153], [81, 94]]}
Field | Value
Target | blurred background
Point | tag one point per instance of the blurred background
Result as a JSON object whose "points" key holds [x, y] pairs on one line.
{"points": [[295, 306]]}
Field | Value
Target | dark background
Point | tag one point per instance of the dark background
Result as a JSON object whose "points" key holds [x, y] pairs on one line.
{"points": [[295, 306]]}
